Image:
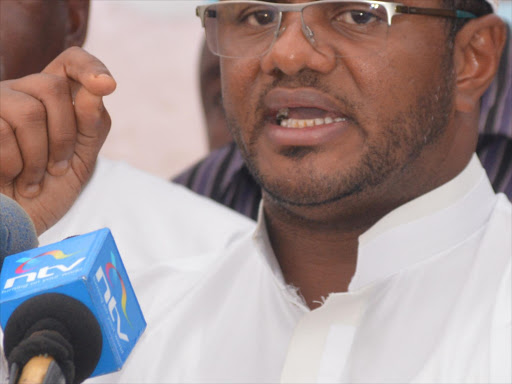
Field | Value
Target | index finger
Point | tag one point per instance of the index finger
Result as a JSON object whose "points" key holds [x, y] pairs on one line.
{"points": [[82, 67]]}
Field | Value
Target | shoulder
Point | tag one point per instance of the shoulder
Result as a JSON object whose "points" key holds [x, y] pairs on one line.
{"points": [[151, 219]]}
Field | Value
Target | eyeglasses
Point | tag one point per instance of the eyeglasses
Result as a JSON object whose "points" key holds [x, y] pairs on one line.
{"points": [[243, 29]]}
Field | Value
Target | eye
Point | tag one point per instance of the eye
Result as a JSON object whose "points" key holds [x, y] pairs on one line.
{"points": [[357, 14], [261, 18], [357, 17]]}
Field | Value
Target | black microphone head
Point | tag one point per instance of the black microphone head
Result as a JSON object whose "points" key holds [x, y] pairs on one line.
{"points": [[17, 232], [82, 329]]}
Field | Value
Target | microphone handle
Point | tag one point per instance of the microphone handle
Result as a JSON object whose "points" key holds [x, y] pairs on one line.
{"points": [[41, 370]]}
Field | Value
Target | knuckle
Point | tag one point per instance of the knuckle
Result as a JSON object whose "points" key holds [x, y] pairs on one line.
{"points": [[11, 163], [34, 157], [32, 174], [63, 141], [57, 86], [66, 137], [10, 168], [32, 112], [5, 129]]}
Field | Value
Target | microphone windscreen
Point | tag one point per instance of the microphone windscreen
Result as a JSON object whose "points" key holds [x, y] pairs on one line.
{"points": [[57, 287], [17, 232], [81, 328]]}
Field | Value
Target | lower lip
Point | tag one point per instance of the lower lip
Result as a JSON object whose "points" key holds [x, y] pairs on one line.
{"points": [[307, 136]]}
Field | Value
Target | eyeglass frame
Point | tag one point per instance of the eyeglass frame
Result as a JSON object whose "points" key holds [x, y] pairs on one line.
{"points": [[391, 8]]}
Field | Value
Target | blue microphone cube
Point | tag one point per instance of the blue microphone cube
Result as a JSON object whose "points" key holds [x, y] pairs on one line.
{"points": [[88, 268]]}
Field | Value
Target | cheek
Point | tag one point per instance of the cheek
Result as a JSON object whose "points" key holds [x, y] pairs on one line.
{"points": [[417, 52], [392, 81], [238, 85]]}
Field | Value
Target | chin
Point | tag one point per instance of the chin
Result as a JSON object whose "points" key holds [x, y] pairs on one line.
{"points": [[303, 189]]}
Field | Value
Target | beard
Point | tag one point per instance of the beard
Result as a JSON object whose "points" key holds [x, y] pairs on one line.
{"points": [[400, 141]]}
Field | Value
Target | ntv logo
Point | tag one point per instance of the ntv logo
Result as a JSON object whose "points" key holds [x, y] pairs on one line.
{"points": [[110, 300], [44, 272]]}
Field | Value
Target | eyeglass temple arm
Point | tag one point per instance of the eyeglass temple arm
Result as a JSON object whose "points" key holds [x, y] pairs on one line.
{"points": [[451, 13]]}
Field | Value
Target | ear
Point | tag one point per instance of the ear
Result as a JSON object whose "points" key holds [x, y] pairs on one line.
{"points": [[477, 52], [78, 17]]}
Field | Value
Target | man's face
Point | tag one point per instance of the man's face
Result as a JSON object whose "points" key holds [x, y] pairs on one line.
{"points": [[32, 33], [388, 109]]}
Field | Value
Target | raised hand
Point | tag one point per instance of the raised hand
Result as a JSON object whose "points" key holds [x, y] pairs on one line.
{"points": [[52, 126]]}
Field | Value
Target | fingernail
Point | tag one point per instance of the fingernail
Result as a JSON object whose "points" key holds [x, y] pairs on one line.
{"points": [[60, 166], [32, 189]]}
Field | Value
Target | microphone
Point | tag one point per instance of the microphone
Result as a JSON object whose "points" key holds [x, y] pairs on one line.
{"points": [[72, 301], [17, 232]]}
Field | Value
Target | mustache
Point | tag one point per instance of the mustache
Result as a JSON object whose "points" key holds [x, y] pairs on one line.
{"points": [[305, 78], [308, 78]]}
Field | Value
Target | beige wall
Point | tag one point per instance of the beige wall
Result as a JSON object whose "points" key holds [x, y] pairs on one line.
{"points": [[151, 48]]}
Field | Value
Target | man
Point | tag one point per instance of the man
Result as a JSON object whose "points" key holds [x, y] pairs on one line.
{"points": [[381, 253], [224, 177]]}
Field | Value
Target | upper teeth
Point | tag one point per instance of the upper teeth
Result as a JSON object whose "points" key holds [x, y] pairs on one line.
{"points": [[302, 123]]}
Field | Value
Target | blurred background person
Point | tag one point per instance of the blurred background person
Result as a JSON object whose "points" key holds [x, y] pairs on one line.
{"points": [[33, 33]]}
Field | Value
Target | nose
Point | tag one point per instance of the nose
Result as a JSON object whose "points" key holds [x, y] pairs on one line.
{"points": [[293, 51]]}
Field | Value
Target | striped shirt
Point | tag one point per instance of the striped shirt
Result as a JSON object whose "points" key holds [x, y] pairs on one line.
{"points": [[495, 125], [223, 176]]}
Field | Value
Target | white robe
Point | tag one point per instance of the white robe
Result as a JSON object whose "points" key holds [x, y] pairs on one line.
{"points": [[430, 302]]}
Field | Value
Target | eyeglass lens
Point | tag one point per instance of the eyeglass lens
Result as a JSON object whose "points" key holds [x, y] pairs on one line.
{"points": [[249, 29]]}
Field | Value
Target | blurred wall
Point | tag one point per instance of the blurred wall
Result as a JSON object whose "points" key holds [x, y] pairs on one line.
{"points": [[505, 10], [152, 50]]}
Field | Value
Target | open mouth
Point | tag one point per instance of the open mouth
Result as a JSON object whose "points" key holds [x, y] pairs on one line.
{"points": [[305, 117]]}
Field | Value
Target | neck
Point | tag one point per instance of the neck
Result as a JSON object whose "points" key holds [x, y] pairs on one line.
{"points": [[318, 257], [317, 247]]}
